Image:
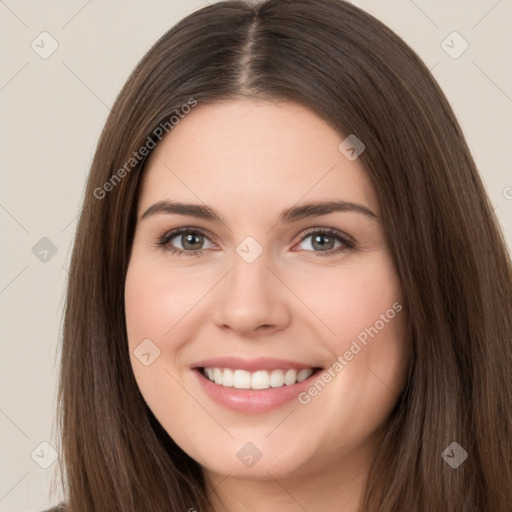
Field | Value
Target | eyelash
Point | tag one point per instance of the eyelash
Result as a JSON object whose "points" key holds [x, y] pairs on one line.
{"points": [[163, 241]]}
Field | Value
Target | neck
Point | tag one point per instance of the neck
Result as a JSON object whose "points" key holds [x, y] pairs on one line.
{"points": [[333, 485]]}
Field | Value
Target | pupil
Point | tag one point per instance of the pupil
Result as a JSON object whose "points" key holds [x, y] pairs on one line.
{"points": [[189, 240], [321, 240]]}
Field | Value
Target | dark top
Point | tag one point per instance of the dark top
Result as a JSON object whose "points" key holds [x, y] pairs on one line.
{"points": [[61, 507]]}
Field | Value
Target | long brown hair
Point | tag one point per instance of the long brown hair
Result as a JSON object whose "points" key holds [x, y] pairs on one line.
{"points": [[446, 243]]}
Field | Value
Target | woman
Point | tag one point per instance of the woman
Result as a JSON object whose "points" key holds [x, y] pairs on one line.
{"points": [[287, 279]]}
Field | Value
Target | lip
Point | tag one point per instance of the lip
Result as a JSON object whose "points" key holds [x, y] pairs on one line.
{"points": [[252, 365], [252, 401]]}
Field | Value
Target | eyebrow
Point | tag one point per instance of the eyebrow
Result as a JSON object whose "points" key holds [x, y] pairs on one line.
{"points": [[288, 216]]}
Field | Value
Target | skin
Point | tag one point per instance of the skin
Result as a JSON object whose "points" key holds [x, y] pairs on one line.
{"points": [[250, 160]]}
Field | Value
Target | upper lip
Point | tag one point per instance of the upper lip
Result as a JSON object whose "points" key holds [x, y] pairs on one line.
{"points": [[251, 365]]}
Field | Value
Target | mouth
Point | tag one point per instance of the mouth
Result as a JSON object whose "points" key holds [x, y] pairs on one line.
{"points": [[257, 380], [259, 386]]}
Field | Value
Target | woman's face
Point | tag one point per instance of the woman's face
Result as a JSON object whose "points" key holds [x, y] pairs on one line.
{"points": [[262, 289]]}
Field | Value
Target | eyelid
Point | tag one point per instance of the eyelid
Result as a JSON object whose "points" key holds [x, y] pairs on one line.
{"points": [[331, 231], [348, 241], [163, 240]]}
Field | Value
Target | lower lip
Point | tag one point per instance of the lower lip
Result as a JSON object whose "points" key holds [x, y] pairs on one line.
{"points": [[251, 400]]}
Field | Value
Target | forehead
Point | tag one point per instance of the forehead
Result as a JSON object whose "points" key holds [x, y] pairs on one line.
{"points": [[245, 154]]}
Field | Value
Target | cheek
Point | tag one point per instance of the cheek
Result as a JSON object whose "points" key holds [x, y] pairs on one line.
{"points": [[355, 300], [157, 300], [361, 307], [160, 304], [153, 307]]}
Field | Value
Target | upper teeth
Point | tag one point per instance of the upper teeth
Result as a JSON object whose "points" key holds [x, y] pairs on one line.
{"points": [[261, 379]]}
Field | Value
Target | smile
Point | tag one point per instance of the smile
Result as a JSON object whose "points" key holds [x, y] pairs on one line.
{"points": [[253, 386], [258, 380]]}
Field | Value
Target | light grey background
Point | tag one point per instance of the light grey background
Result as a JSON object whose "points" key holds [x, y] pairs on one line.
{"points": [[52, 112]]}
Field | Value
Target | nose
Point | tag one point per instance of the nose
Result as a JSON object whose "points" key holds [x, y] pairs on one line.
{"points": [[251, 300]]}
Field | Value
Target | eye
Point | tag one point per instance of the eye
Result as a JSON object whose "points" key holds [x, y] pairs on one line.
{"points": [[190, 242], [324, 241]]}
